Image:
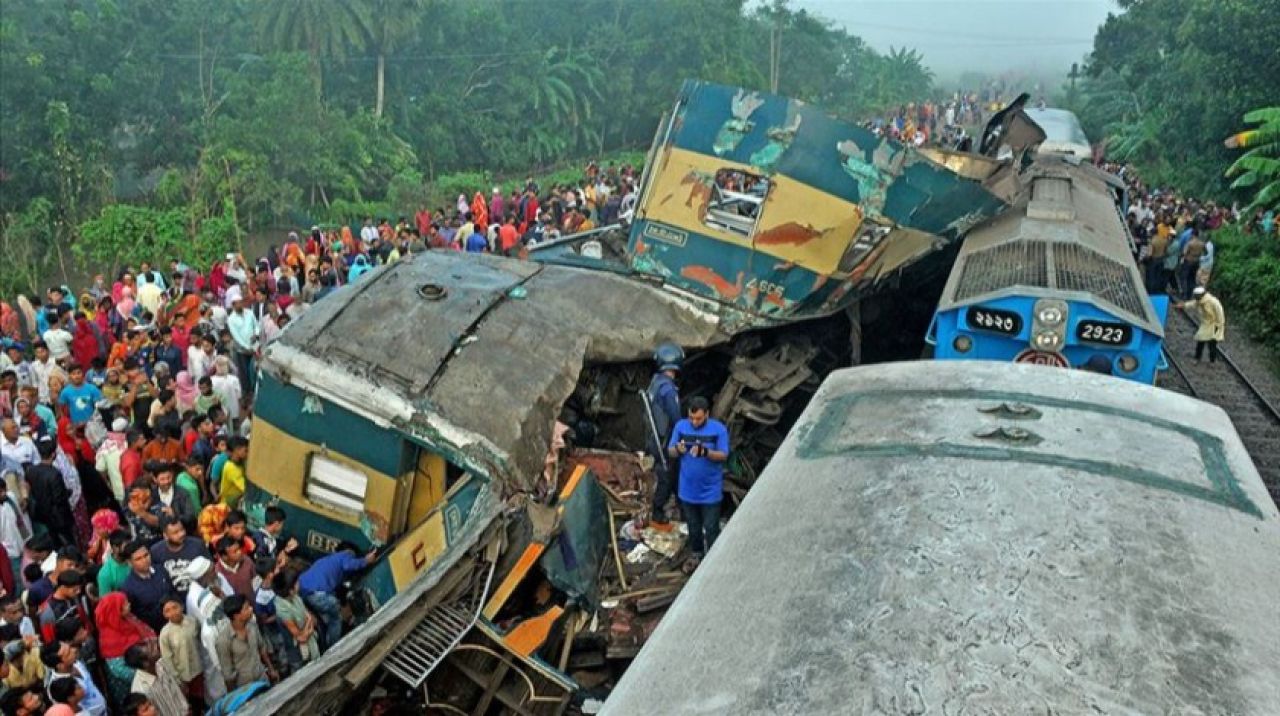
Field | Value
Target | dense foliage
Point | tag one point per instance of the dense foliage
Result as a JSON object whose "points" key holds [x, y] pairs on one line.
{"points": [[1247, 276], [256, 108], [1258, 169], [1168, 80]]}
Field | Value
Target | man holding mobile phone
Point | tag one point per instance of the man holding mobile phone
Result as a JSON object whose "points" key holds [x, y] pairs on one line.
{"points": [[702, 444]]}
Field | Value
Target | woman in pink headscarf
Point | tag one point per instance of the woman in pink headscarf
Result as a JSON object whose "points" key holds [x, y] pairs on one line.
{"points": [[104, 522], [126, 303], [184, 389]]}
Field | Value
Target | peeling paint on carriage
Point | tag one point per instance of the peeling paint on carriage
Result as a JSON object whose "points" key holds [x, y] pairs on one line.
{"points": [[821, 187]]}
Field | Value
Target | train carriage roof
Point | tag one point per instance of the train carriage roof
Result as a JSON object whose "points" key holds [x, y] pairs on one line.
{"points": [[477, 353], [1065, 235], [987, 538]]}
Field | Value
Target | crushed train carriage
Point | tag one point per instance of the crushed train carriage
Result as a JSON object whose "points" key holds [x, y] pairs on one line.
{"points": [[429, 435]]}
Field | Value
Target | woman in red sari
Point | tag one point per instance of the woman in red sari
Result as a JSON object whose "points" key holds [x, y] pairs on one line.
{"points": [[79, 456], [118, 629], [84, 344], [480, 213]]}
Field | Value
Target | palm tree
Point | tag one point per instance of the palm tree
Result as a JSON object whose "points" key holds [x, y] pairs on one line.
{"points": [[566, 88], [1260, 166], [321, 28], [390, 23]]}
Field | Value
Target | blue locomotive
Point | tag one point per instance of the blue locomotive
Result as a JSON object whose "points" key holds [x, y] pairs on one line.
{"points": [[1053, 281]]}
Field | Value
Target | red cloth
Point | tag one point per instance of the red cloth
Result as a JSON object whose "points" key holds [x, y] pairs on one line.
{"points": [[84, 344], [6, 572], [218, 279], [130, 466], [118, 631], [508, 237], [423, 220]]}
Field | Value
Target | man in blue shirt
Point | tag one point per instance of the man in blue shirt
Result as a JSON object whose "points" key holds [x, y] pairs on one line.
{"points": [[477, 243], [81, 398], [319, 585], [702, 445], [146, 587]]}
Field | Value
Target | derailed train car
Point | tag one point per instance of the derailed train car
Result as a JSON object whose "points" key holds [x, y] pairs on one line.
{"points": [[782, 213], [416, 411], [1053, 280], [978, 537]]}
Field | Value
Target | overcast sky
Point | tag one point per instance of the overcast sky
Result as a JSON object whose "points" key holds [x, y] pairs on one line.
{"points": [[1040, 37]]}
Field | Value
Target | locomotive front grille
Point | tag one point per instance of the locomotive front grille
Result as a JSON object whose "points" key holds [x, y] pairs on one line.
{"points": [[1015, 263], [1077, 268]]}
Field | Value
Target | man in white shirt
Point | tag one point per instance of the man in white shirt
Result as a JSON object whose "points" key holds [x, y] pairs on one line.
{"points": [[150, 296], [42, 368], [58, 339], [370, 232], [233, 293], [244, 336], [200, 355]]}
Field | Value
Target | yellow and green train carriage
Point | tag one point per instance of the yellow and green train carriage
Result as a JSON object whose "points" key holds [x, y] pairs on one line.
{"points": [[404, 407]]}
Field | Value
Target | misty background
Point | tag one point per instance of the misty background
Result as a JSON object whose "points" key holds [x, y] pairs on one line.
{"points": [[1038, 39]]}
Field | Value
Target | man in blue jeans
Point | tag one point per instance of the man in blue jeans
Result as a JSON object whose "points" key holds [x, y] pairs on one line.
{"points": [[319, 587], [702, 444]]}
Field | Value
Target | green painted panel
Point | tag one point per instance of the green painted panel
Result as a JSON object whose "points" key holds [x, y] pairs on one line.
{"points": [[818, 440], [337, 428]]}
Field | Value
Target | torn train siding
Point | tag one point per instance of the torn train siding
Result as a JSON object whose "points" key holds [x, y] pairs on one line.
{"points": [[386, 433], [823, 205]]}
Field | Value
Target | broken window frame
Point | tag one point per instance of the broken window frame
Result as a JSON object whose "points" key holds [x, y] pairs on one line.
{"points": [[334, 496], [732, 222]]}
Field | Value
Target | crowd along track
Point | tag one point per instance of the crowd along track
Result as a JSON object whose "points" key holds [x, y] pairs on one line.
{"points": [[1227, 385]]}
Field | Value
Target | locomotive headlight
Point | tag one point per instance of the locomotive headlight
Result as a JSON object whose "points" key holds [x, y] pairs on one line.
{"points": [[1048, 341], [1049, 315], [962, 344], [1128, 363]]}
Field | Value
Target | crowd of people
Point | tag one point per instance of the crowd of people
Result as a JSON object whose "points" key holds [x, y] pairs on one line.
{"points": [[506, 224], [1173, 235], [944, 121], [132, 582]]}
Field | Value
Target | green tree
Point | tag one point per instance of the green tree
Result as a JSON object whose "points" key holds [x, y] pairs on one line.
{"points": [[324, 29], [1258, 169]]}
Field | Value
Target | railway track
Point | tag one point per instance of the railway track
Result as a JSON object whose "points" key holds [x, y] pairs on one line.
{"points": [[1226, 385]]}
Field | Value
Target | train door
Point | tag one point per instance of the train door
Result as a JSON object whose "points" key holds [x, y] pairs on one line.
{"points": [[422, 487]]}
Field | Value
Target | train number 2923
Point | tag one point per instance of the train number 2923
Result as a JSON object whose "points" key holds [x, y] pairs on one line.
{"points": [[1112, 334]]}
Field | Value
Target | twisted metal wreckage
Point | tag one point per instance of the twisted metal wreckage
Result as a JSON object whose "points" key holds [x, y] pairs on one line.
{"points": [[523, 581]]}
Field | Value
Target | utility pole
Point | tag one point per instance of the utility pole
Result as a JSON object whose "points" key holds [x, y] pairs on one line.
{"points": [[1073, 74], [775, 45]]}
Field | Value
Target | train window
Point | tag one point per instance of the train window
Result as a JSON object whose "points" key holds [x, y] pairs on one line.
{"points": [[737, 198], [333, 484]]}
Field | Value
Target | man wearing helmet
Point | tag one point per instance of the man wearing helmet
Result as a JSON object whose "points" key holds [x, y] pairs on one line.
{"points": [[662, 402]]}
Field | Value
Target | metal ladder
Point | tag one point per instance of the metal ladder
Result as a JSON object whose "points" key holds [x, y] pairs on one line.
{"points": [[436, 635]]}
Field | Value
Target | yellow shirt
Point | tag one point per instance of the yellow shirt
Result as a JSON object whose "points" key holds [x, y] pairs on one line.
{"points": [[27, 671], [232, 484]]}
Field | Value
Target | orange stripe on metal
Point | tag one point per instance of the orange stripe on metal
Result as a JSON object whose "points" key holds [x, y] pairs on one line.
{"points": [[572, 484], [513, 579], [532, 633]]}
